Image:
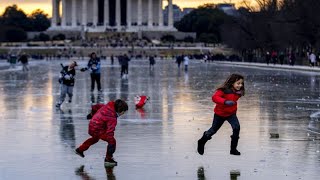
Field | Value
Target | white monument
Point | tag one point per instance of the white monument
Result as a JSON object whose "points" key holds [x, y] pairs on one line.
{"points": [[110, 15]]}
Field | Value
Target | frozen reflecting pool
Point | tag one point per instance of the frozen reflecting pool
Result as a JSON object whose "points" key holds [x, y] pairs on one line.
{"points": [[159, 142]]}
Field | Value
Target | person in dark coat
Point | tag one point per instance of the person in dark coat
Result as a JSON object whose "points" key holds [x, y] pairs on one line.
{"points": [[152, 61], [124, 66], [24, 61]]}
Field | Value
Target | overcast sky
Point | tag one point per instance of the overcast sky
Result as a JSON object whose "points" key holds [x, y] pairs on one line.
{"points": [[30, 5]]}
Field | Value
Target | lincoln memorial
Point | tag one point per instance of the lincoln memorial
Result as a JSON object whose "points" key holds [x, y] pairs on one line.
{"points": [[115, 15]]}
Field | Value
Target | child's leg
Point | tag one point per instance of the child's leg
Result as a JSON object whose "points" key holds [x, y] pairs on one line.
{"points": [[63, 89], [92, 81], [84, 146], [70, 92], [234, 122], [111, 148], [126, 69], [122, 70], [98, 77], [216, 124]]}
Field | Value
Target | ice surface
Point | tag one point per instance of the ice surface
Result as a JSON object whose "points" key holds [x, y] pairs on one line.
{"points": [[159, 142]]}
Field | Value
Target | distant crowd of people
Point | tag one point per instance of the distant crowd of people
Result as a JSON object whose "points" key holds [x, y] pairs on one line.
{"points": [[279, 57]]}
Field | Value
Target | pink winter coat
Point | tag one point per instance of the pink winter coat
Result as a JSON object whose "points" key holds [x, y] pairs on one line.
{"points": [[103, 123]]}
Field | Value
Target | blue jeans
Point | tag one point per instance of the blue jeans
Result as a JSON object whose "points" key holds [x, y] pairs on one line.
{"points": [[64, 90], [218, 121]]}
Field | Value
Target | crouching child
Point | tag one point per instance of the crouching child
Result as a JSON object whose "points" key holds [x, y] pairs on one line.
{"points": [[102, 126]]}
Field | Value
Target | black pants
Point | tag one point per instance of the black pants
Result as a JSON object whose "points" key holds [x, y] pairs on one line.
{"points": [[95, 78], [218, 121], [124, 69]]}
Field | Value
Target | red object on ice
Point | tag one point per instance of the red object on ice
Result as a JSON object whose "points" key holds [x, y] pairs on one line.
{"points": [[141, 101]]}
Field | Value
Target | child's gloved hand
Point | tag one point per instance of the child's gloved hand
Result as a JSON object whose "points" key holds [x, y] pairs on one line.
{"points": [[229, 103], [83, 69], [89, 116]]}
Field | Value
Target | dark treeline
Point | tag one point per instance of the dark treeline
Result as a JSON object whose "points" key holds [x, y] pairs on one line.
{"points": [[14, 23], [206, 21], [293, 24], [280, 25]]}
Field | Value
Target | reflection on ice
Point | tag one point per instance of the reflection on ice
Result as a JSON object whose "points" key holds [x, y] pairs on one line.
{"points": [[138, 121], [234, 174], [67, 128], [200, 173], [83, 174]]}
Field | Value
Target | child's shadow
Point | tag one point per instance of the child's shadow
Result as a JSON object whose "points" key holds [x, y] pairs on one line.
{"points": [[85, 175]]}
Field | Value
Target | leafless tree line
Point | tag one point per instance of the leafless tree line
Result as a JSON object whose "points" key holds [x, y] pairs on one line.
{"points": [[282, 25]]}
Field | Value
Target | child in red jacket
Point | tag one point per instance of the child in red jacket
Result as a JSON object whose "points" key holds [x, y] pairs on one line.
{"points": [[225, 97], [102, 126]]}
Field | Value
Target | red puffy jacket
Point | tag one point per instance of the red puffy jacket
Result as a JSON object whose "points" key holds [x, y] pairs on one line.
{"points": [[104, 122], [95, 108], [220, 96]]}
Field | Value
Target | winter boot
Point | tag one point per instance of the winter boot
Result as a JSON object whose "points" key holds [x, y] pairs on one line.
{"points": [[110, 162], [233, 147], [78, 152], [201, 142]]}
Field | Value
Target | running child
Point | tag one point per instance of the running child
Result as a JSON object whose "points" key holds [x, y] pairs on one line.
{"points": [[225, 97]]}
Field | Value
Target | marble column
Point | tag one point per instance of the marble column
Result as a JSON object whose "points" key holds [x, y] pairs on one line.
{"points": [[118, 14], [84, 13], [54, 18], [73, 13], [150, 13], [170, 14], [95, 12], [64, 13], [129, 21], [160, 13], [139, 12], [106, 13]]}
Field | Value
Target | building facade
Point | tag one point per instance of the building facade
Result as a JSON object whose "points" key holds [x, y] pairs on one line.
{"points": [[178, 13], [110, 15]]}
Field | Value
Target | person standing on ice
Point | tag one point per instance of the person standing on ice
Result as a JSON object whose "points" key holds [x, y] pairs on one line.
{"points": [[225, 97], [102, 126], [186, 62], [124, 66], [24, 61], [151, 62], [66, 80], [94, 65]]}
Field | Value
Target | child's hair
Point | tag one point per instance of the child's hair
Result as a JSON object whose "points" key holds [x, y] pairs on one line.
{"points": [[93, 53], [120, 106], [228, 84]]}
